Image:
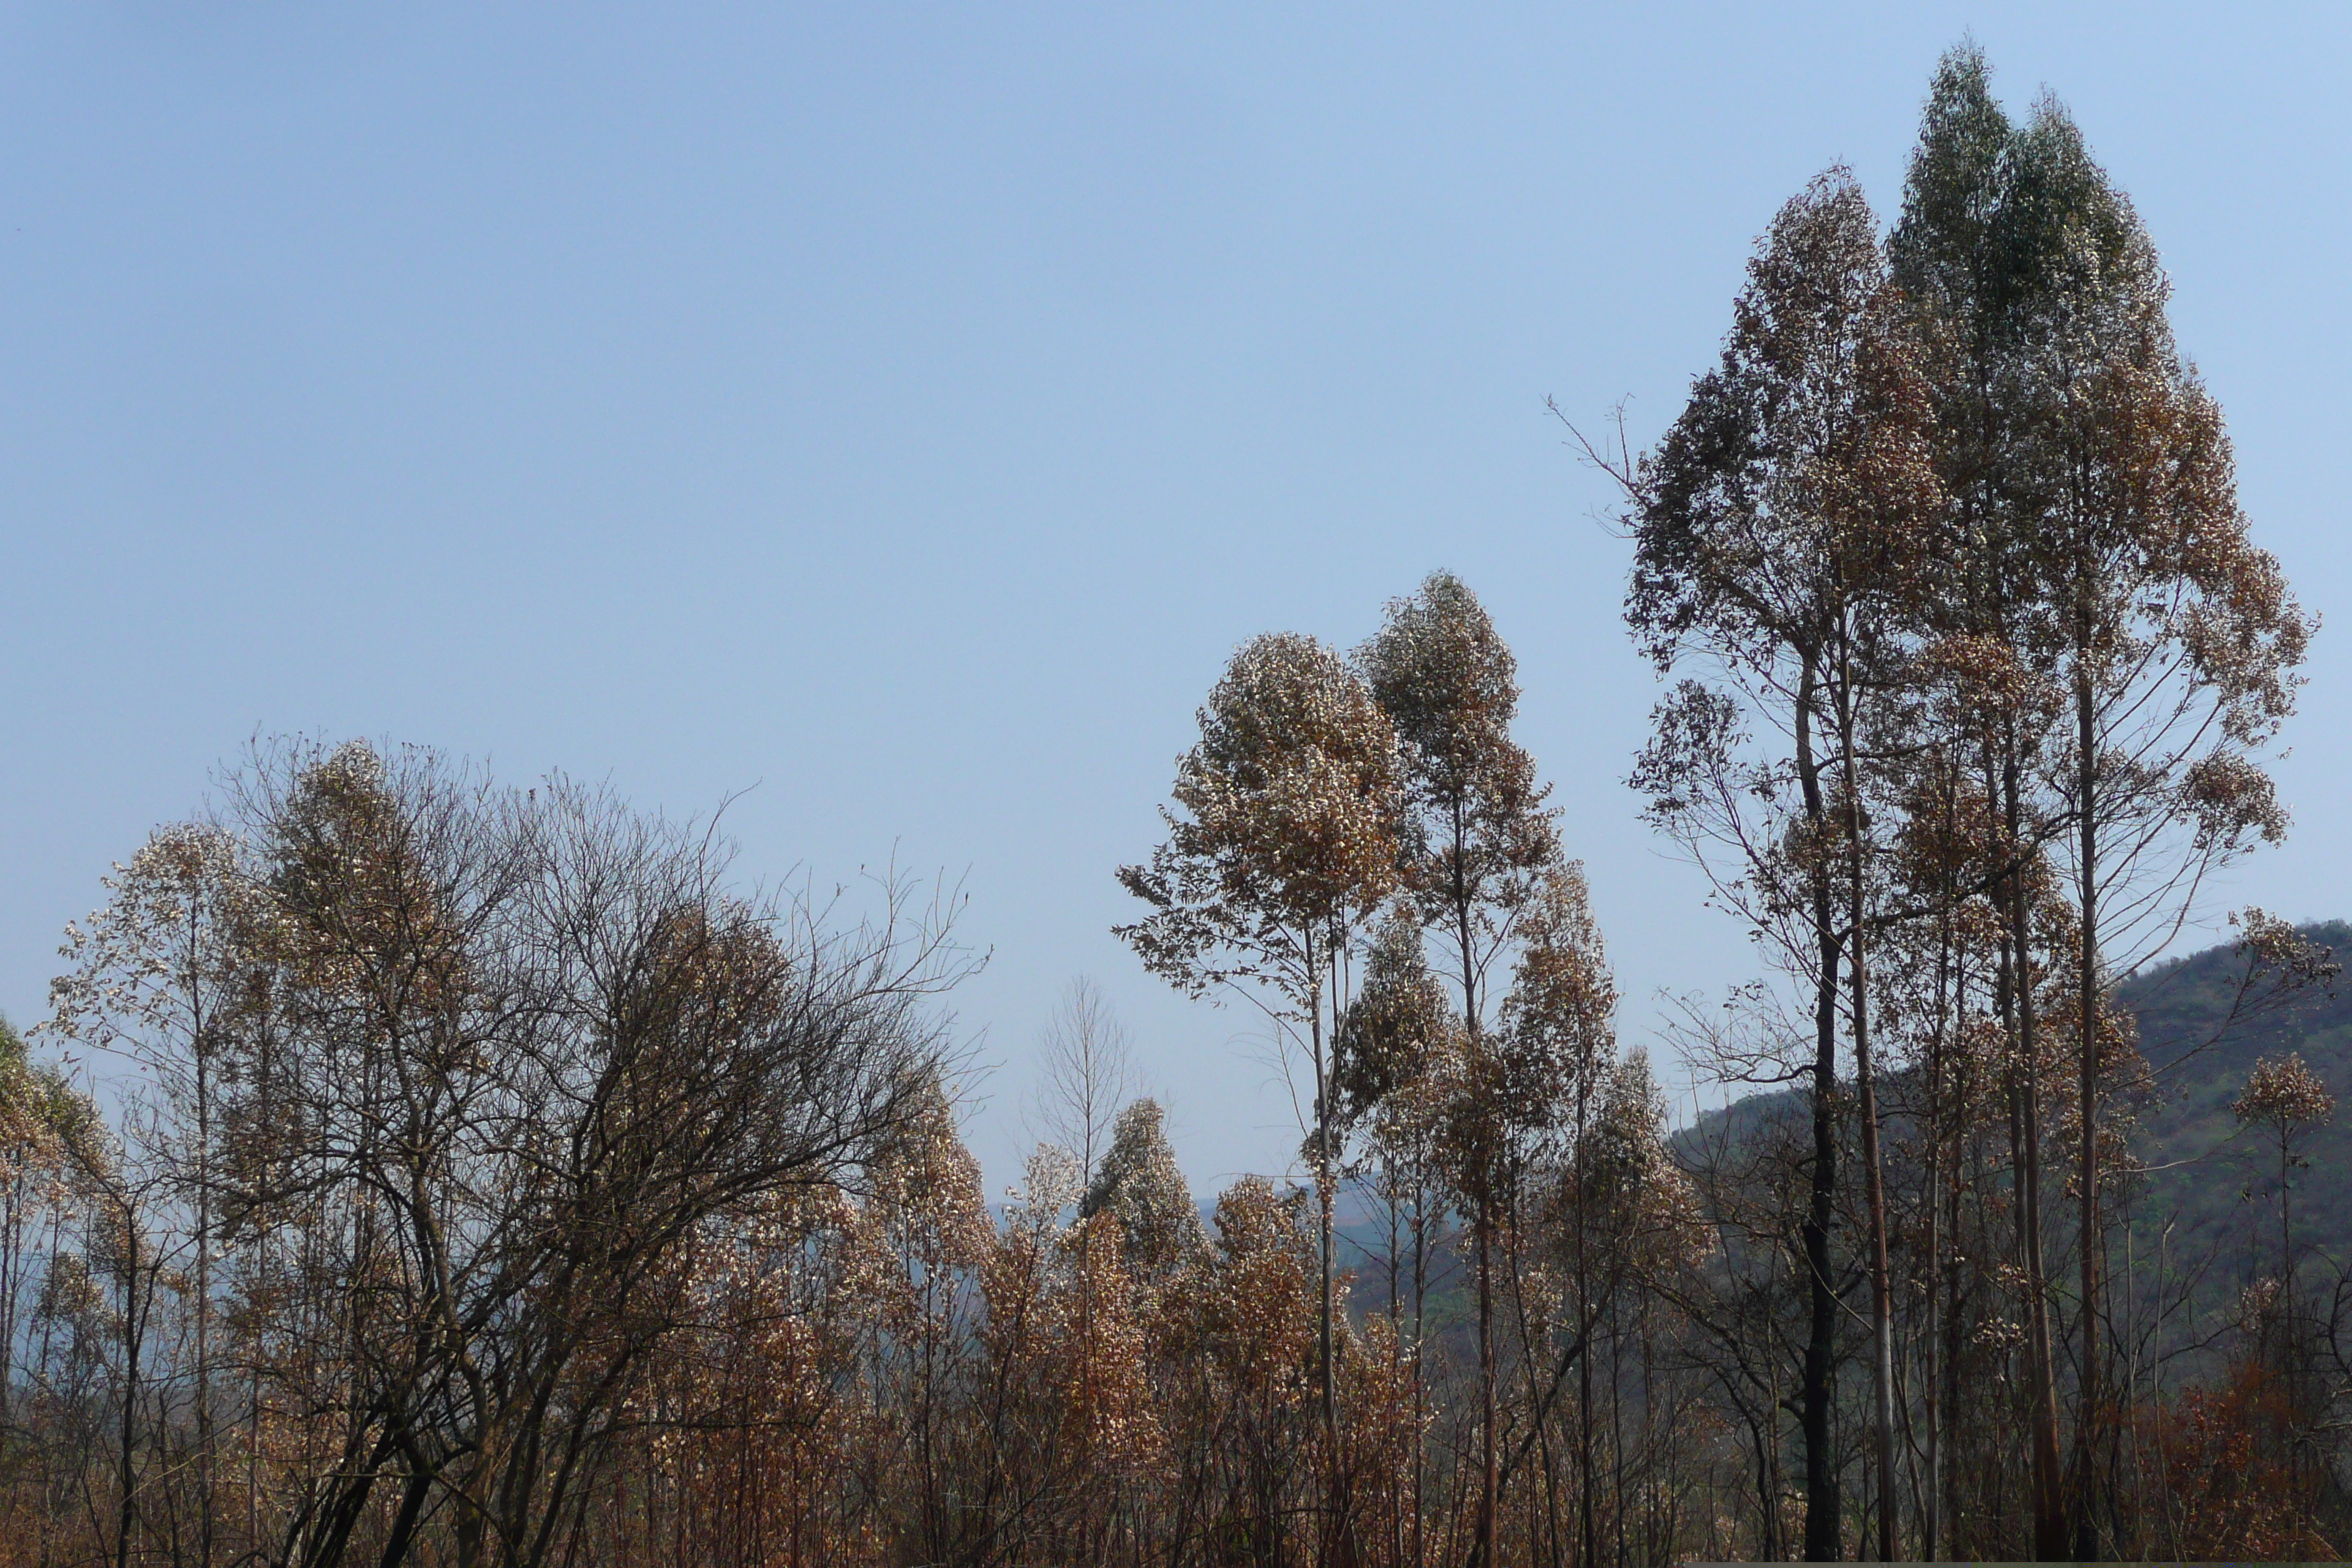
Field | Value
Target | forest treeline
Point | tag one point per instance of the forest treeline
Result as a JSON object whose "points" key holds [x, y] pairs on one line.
{"points": [[423, 1170]]}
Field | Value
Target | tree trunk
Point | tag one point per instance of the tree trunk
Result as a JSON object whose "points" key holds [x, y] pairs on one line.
{"points": [[2051, 1542], [1931, 1495], [1881, 1327], [1823, 1542], [2092, 1246], [1585, 1483], [1882, 1324], [1325, 1193], [133, 1330], [1489, 1461], [1483, 1549], [1419, 1389], [203, 1301]]}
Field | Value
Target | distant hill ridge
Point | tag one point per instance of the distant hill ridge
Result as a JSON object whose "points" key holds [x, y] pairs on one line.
{"points": [[2207, 1181], [2211, 1182]]}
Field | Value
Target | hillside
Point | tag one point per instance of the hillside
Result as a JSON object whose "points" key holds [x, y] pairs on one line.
{"points": [[2208, 1184], [2210, 1180]]}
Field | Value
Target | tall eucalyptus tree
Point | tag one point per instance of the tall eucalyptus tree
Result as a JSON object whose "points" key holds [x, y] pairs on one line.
{"points": [[1477, 839], [1282, 840], [2102, 547], [1776, 529]]}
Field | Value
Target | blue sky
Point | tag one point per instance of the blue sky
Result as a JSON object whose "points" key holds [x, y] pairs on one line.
{"points": [[905, 410]]}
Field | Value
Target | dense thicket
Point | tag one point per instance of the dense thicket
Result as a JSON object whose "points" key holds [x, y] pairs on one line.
{"points": [[486, 1181]]}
